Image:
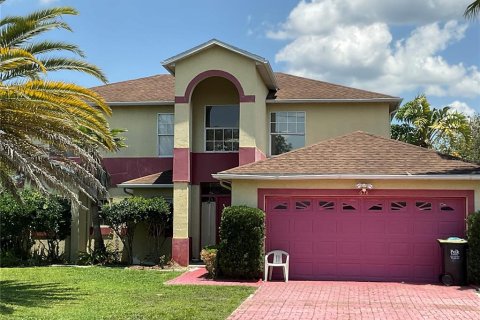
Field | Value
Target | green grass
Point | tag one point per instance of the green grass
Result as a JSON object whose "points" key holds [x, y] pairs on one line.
{"points": [[109, 293]]}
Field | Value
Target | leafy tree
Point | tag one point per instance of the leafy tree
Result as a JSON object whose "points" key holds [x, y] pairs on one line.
{"points": [[468, 150], [472, 10], [40, 120], [424, 126], [49, 215], [124, 216]]}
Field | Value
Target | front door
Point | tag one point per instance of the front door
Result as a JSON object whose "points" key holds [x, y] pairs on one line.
{"points": [[221, 202]]}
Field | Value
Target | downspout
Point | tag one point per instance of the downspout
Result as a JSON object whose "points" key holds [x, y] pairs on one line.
{"points": [[127, 192], [227, 185]]}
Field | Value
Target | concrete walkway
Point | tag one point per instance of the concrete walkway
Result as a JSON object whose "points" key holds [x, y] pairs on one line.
{"points": [[359, 300]]}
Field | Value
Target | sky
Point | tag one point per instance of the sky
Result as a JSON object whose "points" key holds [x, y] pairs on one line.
{"points": [[402, 48]]}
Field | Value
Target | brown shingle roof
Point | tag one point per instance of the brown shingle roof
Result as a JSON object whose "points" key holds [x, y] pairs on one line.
{"points": [[156, 88], [294, 87], [161, 88], [359, 153], [164, 177]]}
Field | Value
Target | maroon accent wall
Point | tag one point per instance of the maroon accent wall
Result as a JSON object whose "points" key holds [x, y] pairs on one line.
{"points": [[214, 73], [205, 164], [249, 155], [181, 251], [181, 165], [124, 169]]}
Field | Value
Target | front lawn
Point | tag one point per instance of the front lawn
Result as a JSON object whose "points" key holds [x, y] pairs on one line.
{"points": [[109, 293]]}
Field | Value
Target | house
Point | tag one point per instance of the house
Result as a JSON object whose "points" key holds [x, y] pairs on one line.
{"points": [[341, 197]]}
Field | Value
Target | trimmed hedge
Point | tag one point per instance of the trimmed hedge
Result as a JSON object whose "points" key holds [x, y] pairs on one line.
{"points": [[241, 249], [473, 236]]}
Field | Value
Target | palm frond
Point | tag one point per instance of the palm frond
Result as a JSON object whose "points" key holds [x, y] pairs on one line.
{"points": [[472, 10]]}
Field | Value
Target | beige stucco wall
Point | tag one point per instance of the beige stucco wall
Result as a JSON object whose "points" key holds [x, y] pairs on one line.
{"points": [[211, 91], [244, 192], [141, 123], [181, 207], [215, 58], [219, 91], [328, 120]]}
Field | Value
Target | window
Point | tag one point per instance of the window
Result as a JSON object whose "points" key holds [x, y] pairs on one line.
{"points": [[165, 134], [287, 131], [221, 128]]}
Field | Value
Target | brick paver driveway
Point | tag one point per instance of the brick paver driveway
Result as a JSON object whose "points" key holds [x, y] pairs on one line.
{"points": [[359, 300]]}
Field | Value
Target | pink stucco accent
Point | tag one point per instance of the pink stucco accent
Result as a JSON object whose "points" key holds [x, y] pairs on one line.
{"points": [[387, 235], [214, 73], [180, 251], [181, 165], [205, 164], [249, 155], [124, 169]]}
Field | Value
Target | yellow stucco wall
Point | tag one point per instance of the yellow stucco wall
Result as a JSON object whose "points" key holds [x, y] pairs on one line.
{"points": [[215, 58], [211, 91], [141, 123], [245, 192], [328, 120], [181, 207]]}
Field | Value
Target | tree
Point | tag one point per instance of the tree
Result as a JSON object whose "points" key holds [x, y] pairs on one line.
{"points": [[472, 10], [41, 120], [427, 127], [124, 216], [469, 150]]}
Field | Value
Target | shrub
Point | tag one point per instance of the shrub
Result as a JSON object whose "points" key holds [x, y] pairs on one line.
{"points": [[124, 216], [241, 249], [35, 213], [473, 236], [209, 257]]}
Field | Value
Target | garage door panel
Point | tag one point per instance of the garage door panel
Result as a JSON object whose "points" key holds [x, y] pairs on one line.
{"points": [[362, 238], [303, 226], [325, 249]]}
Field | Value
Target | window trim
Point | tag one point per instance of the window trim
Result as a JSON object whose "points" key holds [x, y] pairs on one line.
{"points": [[269, 124], [204, 124], [158, 134]]}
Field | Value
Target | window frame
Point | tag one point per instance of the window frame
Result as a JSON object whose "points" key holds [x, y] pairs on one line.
{"points": [[269, 123], [205, 127], [165, 135]]}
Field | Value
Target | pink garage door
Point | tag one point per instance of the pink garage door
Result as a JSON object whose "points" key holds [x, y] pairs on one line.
{"points": [[363, 238]]}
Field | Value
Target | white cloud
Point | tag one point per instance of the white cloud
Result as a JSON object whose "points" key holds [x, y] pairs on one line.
{"points": [[318, 16], [330, 41], [462, 107]]}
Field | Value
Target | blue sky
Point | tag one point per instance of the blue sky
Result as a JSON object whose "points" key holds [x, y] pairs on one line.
{"points": [[396, 47]]}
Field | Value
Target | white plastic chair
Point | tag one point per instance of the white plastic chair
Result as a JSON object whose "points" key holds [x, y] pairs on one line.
{"points": [[277, 262]]}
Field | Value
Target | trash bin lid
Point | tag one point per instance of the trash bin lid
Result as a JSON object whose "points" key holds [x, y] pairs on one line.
{"points": [[452, 240]]}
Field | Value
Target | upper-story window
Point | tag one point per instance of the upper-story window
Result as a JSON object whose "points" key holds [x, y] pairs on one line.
{"points": [[165, 134], [221, 128], [287, 131]]}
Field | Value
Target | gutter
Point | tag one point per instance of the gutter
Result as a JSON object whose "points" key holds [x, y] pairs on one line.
{"points": [[226, 176], [141, 103], [140, 186], [395, 100]]}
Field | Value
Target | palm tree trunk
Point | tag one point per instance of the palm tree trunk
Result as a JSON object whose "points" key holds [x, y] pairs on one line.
{"points": [[99, 245]]}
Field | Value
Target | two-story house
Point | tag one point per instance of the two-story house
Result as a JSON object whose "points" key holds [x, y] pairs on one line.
{"points": [[342, 198]]}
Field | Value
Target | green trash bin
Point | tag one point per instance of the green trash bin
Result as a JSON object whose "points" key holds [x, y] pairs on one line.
{"points": [[454, 252]]}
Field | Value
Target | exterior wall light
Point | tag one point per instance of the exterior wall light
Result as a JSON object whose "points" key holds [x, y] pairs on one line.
{"points": [[364, 187]]}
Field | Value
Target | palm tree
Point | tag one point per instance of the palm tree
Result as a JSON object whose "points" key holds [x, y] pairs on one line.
{"points": [[42, 120], [473, 9], [428, 127]]}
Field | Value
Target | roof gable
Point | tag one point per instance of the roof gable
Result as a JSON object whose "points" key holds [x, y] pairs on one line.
{"points": [[358, 153]]}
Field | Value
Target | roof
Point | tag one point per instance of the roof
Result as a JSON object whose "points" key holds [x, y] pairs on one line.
{"points": [[160, 89], [263, 65], [159, 179], [356, 154], [154, 89]]}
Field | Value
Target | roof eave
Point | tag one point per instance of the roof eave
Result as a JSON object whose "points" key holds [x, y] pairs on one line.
{"points": [[392, 101], [228, 176], [144, 185]]}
